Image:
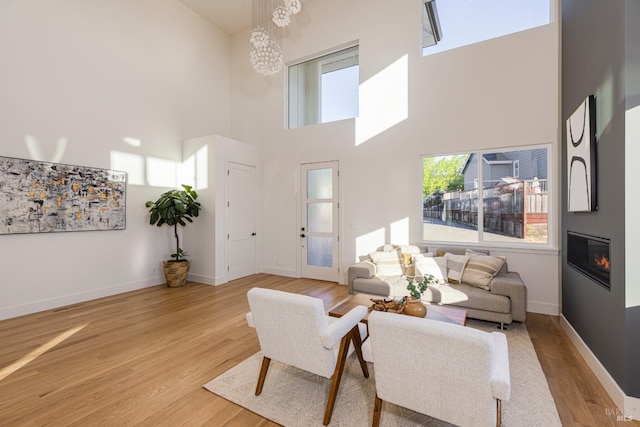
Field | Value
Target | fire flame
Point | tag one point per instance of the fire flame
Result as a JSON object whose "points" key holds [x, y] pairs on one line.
{"points": [[602, 261]]}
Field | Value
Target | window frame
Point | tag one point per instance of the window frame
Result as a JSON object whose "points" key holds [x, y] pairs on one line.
{"points": [[321, 60], [427, 14], [552, 210]]}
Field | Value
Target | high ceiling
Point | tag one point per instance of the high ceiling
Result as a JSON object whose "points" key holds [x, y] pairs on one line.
{"points": [[230, 16]]}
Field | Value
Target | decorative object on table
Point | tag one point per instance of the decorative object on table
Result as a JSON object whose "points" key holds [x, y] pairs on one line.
{"points": [[413, 304], [581, 158], [175, 207], [390, 305], [44, 197]]}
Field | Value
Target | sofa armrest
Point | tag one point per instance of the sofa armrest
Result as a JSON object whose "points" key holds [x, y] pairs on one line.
{"points": [[364, 269], [511, 285]]}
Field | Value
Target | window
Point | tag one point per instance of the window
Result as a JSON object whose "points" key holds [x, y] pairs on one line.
{"points": [[516, 168], [456, 23], [475, 197], [324, 89]]}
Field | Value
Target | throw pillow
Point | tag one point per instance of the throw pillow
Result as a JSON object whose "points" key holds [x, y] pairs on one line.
{"points": [[406, 259], [480, 269], [437, 267], [387, 263], [503, 270], [407, 263], [455, 267]]}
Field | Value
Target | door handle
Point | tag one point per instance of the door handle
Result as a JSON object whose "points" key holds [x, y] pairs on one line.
{"points": [[303, 235]]}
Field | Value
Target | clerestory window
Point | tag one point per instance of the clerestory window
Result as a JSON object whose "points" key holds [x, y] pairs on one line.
{"points": [[449, 24], [324, 89]]}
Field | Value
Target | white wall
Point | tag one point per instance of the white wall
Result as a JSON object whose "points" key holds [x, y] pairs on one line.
{"points": [[94, 73], [500, 93]]}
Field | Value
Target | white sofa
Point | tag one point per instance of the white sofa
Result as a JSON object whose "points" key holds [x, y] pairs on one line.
{"points": [[503, 300]]}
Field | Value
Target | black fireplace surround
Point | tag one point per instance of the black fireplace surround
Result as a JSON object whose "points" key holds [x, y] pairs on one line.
{"points": [[590, 256]]}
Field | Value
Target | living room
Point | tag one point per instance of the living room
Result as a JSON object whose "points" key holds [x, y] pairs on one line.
{"points": [[127, 85]]}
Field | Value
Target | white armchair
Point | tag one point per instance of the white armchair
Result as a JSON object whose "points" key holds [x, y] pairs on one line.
{"points": [[295, 330], [454, 373]]}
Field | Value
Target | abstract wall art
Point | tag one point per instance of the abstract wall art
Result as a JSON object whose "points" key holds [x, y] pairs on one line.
{"points": [[42, 197], [581, 158]]}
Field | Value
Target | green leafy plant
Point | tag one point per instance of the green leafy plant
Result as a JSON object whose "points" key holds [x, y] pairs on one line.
{"points": [[175, 207], [416, 289]]}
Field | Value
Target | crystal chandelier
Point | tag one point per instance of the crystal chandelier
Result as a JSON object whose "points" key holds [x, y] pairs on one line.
{"points": [[269, 17]]}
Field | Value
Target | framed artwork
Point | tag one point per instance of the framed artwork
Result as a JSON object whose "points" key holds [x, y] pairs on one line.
{"points": [[42, 197], [581, 158]]}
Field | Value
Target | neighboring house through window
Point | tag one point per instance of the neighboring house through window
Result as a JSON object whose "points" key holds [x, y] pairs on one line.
{"points": [[476, 197]]}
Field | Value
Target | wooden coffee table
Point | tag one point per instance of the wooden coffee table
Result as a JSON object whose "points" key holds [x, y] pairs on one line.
{"points": [[441, 313]]}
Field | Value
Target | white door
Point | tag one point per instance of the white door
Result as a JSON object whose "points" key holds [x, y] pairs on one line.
{"points": [[241, 207], [319, 221]]}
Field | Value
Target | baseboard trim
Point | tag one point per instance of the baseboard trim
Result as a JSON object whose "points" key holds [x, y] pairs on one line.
{"points": [[57, 302], [627, 407], [543, 308], [280, 272], [207, 280]]}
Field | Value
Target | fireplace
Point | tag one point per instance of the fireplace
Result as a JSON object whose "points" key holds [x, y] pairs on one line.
{"points": [[590, 256]]}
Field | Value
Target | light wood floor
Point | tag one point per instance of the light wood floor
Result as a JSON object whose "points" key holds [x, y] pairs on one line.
{"points": [[142, 357]]}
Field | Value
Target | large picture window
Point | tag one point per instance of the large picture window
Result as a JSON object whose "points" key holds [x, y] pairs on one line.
{"points": [[474, 197], [324, 89]]}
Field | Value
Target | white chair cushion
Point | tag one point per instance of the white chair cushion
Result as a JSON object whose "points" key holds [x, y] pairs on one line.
{"points": [[447, 371], [294, 329]]}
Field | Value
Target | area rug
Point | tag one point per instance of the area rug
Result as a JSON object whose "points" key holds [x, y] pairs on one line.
{"points": [[292, 397]]}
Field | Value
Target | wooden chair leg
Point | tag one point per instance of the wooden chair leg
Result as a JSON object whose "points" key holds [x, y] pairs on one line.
{"points": [[357, 343], [337, 376], [499, 417], [377, 409], [263, 374]]}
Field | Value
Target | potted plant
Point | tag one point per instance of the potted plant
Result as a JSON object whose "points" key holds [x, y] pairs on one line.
{"points": [[175, 207], [413, 304]]}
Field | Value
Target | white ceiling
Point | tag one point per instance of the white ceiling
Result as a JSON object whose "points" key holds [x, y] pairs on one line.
{"points": [[230, 16]]}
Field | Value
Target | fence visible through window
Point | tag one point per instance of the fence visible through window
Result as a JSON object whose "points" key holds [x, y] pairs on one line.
{"points": [[518, 210]]}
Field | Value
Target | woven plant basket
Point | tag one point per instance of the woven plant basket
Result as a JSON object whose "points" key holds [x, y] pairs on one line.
{"points": [[176, 272]]}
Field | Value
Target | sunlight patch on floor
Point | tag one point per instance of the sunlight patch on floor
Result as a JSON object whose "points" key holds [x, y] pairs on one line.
{"points": [[8, 370]]}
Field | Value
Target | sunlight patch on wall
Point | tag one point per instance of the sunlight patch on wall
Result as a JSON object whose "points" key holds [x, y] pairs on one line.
{"points": [[632, 205], [133, 164], [369, 242], [194, 170], [605, 100], [133, 142], [384, 100], [399, 232], [156, 172], [187, 171], [35, 149], [202, 168], [161, 172]]}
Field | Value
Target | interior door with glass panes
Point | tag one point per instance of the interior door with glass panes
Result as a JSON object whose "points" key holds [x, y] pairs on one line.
{"points": [[319, 221]]}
